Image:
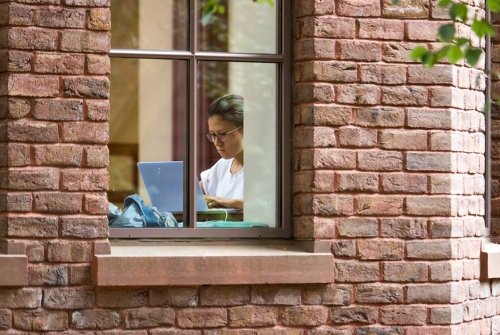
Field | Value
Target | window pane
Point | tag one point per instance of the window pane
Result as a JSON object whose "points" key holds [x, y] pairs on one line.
{"points": [[238, 26], [148, 117], [151, 24], [252, 101]]}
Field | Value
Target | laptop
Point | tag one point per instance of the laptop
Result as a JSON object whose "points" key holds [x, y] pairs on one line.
{"points": [[164, 182]]}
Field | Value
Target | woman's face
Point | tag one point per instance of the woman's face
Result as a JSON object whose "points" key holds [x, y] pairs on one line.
{"points": [[234, 141]]}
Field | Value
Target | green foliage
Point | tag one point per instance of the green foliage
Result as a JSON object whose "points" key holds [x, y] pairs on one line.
{"points": [[211, 8]]}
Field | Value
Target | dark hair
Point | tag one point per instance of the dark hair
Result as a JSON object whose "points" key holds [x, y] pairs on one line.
{"points": [[229, 107]]}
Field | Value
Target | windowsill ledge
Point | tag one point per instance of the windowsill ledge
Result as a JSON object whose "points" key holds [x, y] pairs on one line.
{"points": [[17, 266], [190, 264], [490, 260]]}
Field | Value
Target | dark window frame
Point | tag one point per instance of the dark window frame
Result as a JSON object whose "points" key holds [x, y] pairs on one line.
{"points": [[283, 60]]}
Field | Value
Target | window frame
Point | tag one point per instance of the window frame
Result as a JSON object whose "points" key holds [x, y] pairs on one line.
{"points": [[283, 60]]}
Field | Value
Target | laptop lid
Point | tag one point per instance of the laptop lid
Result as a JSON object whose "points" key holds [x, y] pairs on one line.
{"points": [[164, 182]]}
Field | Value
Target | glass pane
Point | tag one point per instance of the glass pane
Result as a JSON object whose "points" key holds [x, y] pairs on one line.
{"points": [[150, 24], [238, 26], [238, 146], [147, 124]]}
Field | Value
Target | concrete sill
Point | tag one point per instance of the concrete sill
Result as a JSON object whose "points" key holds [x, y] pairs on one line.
{"points": [[210, 264], [490, 261], [16, 267]]}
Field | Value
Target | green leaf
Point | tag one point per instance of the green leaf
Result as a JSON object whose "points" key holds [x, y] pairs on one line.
{"points": [[454, 54], [472, 55], [429, 59], [458, 11], [418, 53], [446, 32], [493, 5], [444, 3], [482, 27], [395, 2], [461, 41], [442, 53]]}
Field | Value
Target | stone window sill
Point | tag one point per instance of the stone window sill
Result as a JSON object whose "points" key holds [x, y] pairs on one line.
{"points": [[133, 263], [490, 261]]}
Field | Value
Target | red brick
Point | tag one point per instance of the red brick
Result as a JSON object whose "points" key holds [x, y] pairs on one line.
{"points": [[359, 94], [95, 319], [405, 272], [361, 314], [35, 251], [398, 52], [95, 203], [31, 226], [447, 183], [79, 274], [380, 205], [20, 298], [379, 117], [431, 161], [87, 3], [202, 318], [176, 297], [121, 298], [85, 132], [358, 227], [314, 137], [58, 155], [304, 315], [378, 160], [403, 315], [379, 294], [314, 227], [20, 15], [86, 87], [52, 275], [56, 17], [314, 181], [357, 137], [329, 71], [432, 206], [30, 85], [438, 75], [99, 19], [31, 38], [356, 182], [98, 64], [380, 250], [149, 317], [359, 50], [59, 63], [97, 156], [61, 203], [431, 118], [356, 272], [404, 183], [448, 97], [403, 139], [409, 228], [40, 320], [344, 248], [337, 295], [68, 298], [447, 315], [406, 9], [33, 179], [314, 48], [314, 92], [383, 74], [274, 295], [432, 249], [18, 61], [58, 109], [224, 296], [446, 271], [328, 204], [14, 154], [97, 110], [436, 293], [405, 95], [85, 41], [32, 131], [329, 27], [85, 180], [422, 30], [18, 108], [84, 227], [69, 251], [380, 29], [16, 202], [5, 319], [252, 316], [358, 8]]}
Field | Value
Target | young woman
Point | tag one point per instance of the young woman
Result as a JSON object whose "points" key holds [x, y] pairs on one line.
{"points": [[223, 182]]}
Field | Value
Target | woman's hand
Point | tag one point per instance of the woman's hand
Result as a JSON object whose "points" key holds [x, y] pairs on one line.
{"points": [[214, 202]]}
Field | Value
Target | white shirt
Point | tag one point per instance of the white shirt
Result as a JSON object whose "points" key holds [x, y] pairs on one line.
{"points": [[218, 181]]}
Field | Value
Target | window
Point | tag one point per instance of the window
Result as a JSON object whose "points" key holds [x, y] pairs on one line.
{"points": [[170, 60]]}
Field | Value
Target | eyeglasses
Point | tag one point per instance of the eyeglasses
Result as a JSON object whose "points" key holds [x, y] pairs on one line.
{"points": [[222, 137]]}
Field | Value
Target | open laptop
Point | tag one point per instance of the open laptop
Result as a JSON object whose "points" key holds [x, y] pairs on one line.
{"points": [[165, 185]]}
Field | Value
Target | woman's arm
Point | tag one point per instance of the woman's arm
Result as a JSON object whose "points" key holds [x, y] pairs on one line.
{"points": [[214, 202]]}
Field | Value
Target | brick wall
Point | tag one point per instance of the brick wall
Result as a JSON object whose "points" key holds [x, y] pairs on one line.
{"points": [[389, 170]]}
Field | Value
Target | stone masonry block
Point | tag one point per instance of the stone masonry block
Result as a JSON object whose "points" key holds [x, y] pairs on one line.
{"points": [[381, 29], [253, 316], [380, 117]]}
